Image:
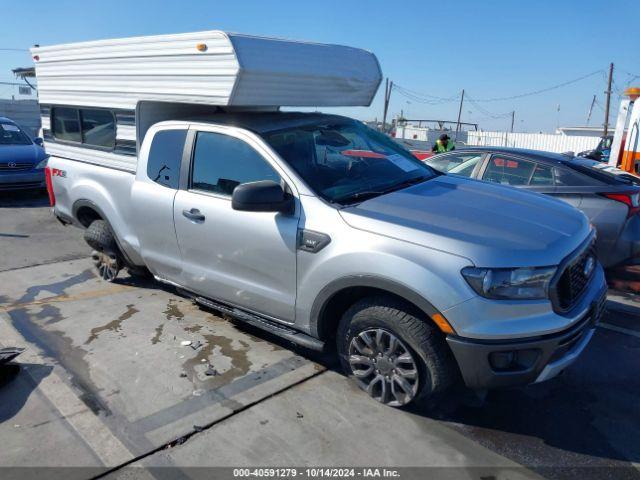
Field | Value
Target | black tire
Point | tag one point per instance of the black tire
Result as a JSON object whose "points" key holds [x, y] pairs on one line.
{"points": [[140, 272], [99, 237], [436, 367]]}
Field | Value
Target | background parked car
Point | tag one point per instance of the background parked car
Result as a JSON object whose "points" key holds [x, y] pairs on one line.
{"points": [[22, 160], [611, 201]]}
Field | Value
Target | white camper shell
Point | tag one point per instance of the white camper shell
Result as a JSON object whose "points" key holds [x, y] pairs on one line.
{"points": [[140, 81]]}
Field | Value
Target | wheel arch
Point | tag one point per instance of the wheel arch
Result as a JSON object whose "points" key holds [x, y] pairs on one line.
{"points": [[85, 211], [335, 298]]}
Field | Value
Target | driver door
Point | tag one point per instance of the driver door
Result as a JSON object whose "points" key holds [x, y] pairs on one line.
{"points": [[244, 259]]}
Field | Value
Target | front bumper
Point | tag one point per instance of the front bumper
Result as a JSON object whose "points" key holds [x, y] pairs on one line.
{"points": [[22, 180], [502, 363]]}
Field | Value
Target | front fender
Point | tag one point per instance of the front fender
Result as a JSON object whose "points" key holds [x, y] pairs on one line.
{"points": [[429, 279]]}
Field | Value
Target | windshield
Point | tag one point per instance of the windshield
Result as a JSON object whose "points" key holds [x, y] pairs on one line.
{"points": [[347, 162], [11, 134]]}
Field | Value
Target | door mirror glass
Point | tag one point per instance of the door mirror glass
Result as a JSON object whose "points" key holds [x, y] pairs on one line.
{"points": [[38, 141], [261, 196]]}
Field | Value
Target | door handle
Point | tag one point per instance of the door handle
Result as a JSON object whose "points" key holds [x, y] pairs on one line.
{"points": [[194, 215]]}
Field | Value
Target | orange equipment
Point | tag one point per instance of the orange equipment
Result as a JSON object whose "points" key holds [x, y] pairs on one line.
{"points": [[625, 149]]}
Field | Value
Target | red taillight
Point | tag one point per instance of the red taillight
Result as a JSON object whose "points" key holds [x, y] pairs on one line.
{"points": [[47, 177], [630, 199]]}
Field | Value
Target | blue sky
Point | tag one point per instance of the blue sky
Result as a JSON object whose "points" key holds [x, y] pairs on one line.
{"points": [[490, 48]]}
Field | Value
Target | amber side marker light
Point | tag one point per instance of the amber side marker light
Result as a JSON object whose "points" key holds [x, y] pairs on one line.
{"points": [[442, 323], [202, 47]]}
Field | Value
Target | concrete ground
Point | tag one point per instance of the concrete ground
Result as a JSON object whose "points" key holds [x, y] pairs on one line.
{"points": [[107, 386]]}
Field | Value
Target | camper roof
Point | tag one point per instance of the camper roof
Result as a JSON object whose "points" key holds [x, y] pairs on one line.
{"points": [[213, 67]]}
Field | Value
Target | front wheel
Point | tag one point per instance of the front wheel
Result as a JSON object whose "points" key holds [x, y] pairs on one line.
{"points": [[392, 353]]}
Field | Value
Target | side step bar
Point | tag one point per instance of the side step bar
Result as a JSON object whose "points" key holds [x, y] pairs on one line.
{"points": [[271, 326]]}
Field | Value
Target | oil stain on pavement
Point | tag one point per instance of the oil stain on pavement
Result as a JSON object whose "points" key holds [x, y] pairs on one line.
{"points": [[114, 325]]}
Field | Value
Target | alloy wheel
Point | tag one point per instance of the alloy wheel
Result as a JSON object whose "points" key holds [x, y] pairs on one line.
{"points": [[384, 366], [107, 264]]}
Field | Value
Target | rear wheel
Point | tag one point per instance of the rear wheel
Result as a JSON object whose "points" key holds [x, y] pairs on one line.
{"points": [[106, 256], [107, 264], [392, 353]]}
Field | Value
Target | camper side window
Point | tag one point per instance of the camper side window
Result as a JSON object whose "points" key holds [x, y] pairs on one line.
{"points": [[66, 124], [89, 126], [165, 155]]}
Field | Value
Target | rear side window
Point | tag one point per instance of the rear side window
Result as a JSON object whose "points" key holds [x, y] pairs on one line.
{"points": [[542, 176], [89, 126], [221, 163], [165, 156], [569, 178]]}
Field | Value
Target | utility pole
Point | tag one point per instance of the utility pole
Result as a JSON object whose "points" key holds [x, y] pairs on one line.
{"points": [[608, 104], [513, 119], [459, 115], [387, 96], [593, 102]]}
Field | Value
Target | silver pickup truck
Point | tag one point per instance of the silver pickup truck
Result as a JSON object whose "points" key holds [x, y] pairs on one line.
{"points": [[327, 233]]}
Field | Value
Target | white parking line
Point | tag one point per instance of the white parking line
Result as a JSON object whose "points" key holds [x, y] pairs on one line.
{"points": [[618, 329], [92, 430]]}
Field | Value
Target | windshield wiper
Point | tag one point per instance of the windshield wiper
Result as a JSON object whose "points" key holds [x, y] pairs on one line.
{"points": [[366, 194]]}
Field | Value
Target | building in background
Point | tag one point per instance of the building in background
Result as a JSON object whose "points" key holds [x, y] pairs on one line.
{"points": [[21, 101]]}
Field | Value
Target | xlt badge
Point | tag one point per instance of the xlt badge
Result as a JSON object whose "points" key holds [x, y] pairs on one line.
{"points": [[312, 242]]}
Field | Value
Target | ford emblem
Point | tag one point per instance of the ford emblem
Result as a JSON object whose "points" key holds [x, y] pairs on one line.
{"points": [[589, 266]]}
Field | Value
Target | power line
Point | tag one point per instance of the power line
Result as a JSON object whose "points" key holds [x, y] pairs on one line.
{"points": [[435, 100], [542, 90], [487, 113], [14, 49], [422, 97]]}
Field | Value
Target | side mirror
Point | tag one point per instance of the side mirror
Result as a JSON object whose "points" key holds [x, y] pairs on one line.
{"points": [[39, 141], [262, 196]]}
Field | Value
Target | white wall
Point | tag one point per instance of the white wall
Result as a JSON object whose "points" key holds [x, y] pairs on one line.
{"points": [[410, 132], [535, 141]]}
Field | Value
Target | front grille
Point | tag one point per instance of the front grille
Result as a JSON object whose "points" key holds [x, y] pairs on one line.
{"points": [[15, 167], [21, 185], [573, 281]]}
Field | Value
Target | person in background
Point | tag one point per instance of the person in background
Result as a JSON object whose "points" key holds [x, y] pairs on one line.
{"points": [[443, 144]]}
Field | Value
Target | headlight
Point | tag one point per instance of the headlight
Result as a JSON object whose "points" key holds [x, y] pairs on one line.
{"points": [[42, 163], [510, 283]]}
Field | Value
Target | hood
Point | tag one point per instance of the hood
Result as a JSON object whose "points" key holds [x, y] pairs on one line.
{"points": [[21, 153], [491, 225]]}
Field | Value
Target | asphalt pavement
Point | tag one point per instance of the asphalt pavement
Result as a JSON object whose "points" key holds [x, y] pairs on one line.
{"points": [[121, 376]]}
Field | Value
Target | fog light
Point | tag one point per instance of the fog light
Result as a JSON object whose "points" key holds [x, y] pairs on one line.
{"points": [[514, 360], [501, 360]]}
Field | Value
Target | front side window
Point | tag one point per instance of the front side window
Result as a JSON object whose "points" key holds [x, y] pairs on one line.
{"points": [[89, 126], [459, 163], [221, 163], [508, 170], [347, 161], [11, 134], [165, 156]]}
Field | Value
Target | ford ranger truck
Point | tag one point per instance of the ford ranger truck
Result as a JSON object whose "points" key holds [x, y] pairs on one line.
{"points": [[327, 233]]}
